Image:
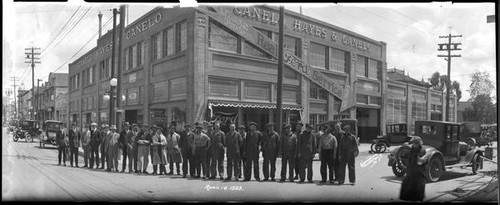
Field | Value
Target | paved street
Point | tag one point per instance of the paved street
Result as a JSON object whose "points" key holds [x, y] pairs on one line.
{"points": [[31, 173]]}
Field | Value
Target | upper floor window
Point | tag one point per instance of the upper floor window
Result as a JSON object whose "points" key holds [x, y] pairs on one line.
{"points": [[317, 55]]}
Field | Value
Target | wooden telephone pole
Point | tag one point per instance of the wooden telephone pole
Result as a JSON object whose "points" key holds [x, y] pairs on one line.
{"points": [[449, 47], [32, 56]]}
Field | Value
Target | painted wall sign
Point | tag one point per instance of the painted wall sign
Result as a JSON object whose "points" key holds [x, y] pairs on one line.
{"points": [[143, 26], [107, 47], [265, 43], [257, 14]]}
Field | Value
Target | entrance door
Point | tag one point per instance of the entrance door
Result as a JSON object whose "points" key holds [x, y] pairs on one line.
{"points": [[368, 123], [131, 116]]}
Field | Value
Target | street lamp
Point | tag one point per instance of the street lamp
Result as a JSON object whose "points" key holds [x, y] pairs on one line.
{"points": [[113, 82]]}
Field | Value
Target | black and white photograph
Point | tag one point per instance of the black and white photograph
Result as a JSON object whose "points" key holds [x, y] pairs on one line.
{"points": [[249, 102]]}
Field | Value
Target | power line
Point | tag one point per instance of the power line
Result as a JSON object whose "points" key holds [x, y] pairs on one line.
{"points": [[68, 32], [57, 35], [95, 35]]}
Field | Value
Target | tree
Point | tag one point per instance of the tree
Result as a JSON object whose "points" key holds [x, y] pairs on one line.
{"points": [[483, 110], [441, 82], [480, 84], [456, 88]]}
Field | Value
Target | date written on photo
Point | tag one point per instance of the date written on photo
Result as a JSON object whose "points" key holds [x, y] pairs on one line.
{"points": [[223, 188]]}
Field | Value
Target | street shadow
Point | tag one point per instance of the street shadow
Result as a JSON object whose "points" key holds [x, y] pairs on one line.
{"points": [[449, 175], [393, 179], [24, 157], [38, 147]]}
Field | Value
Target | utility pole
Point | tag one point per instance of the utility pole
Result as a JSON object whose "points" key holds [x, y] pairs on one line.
{"points": [[280, 71], [15, 101], [449, 47], [111, 88], [33, 58]]}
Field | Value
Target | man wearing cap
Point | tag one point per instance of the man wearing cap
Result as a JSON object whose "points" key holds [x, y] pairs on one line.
{"points": [[103, 145], [129, 142], [288, 153], [241, 163], [338, 133], [185, 142], [86, 145], [298, 131], [217, 138], [173, 152], [74, 144], [106, 142], [270, 151], [113, 149], [306, 149], [233, 143], [327, 146], [348, 151], [199, 149], [95, 140], [143, 140], [61, 135], [251, 152], [123, 144]]}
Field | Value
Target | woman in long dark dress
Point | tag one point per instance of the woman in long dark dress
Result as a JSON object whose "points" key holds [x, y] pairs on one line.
{"points": [[413, 186]]}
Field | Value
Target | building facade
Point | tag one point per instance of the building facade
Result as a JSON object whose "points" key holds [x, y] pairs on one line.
{"points": [[56, 84], [24, 104], [181, 65]]}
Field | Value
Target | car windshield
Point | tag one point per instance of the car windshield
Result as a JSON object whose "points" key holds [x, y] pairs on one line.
{"points": [[53, 126]]}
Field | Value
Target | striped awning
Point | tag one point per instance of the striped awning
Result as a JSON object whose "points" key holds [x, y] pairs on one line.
{"points": [[261, 105]]}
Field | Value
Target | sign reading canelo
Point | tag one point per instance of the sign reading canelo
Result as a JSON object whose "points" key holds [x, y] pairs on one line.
{"points": [[265, 43]]}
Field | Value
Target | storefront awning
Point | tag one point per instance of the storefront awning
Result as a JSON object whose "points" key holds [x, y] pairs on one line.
{"points": [[261, 105]]}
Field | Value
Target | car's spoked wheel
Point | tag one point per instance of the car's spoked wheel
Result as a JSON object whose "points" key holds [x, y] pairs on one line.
{"points": [[398, 169], [380, 147], [435, 169]]}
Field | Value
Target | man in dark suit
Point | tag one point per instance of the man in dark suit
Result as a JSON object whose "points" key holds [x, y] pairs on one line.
{"points": [[74, 144]]}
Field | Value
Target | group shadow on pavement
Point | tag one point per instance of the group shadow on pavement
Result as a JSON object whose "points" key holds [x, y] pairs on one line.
{"points": [[469, 188]]}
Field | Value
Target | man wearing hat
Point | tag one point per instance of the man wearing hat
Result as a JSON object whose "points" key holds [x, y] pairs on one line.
{"points": [[251, 152], [123, 144], [217, 144], [95, 140], [327, 147], [106, 143], [270, 150], [241, 163], [233, 143], [199, 149], [103, 145], [173, 151], [131, 148], [113, 148], [288, 153], [306, 149], [298, 131], [348, 151], [74, 144], [143, 140], [185, 142], [86, 145], [338, 133]]}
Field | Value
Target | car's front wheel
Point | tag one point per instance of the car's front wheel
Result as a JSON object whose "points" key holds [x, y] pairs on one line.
{"points": [[378, 147], [398, 169], [435, 169]]}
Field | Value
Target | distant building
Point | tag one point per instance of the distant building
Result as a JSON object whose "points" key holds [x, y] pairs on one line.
{"points": [[24, 104], [56, 84]]}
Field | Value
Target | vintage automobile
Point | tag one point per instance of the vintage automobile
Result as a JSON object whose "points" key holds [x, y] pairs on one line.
{"points": [[396, 135], [27, 130], [13, 124], [51, 127], [444, 148]]}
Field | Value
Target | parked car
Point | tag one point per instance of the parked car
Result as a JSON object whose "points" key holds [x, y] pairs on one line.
{"points": [[396, 135], [27, 130], [445, 147], [51, 127], [13, 124]]}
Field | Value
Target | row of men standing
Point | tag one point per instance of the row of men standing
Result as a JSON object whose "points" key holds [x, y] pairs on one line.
{"points": [[205, 149]]}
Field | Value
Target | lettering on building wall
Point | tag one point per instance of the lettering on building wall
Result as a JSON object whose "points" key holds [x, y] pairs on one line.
{"points": [[143, 26], [257, 14], [107, 47], [311, 29]]}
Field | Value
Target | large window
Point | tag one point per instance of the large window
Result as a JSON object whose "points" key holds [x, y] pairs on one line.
{"points": [[223, 88], [135, 55], [418, 112], [156, 46], [258, 91], [361, 66], [178, 88], [373, 69], [181, 30], [222, 38], [315, 119], [396, 111], [292, 44], [317, 93], [251, 50], [160, 90], [338, 61], [317, 55]]}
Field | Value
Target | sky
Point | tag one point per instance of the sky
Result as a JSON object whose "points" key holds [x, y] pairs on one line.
{"points": [[411, 31]]}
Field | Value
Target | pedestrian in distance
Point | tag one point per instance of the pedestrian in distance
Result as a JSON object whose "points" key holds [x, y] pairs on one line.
{"points": [[86, 137], [95, 141], [174, 156], [338, 133], [251, 152], [143, 140], [123, 145], [113, 149], [233, 144], [61, 135], [74, 144], [185, 142], [217, 139], [327, 147], [306, 146], [199, 149], [288, 153], [413, 185], [103, 145], [159, 157], [348, 151], [241, 164]]}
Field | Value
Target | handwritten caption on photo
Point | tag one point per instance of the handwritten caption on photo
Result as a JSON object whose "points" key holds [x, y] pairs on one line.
{"points": [[222, 188], [371, 160]]}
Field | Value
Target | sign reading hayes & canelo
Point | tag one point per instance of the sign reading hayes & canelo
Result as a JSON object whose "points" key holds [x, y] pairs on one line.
{"points": [[255, 37]]}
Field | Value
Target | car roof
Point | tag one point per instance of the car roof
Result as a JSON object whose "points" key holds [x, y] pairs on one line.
{"points": [[53, 121], [438, 122]]}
